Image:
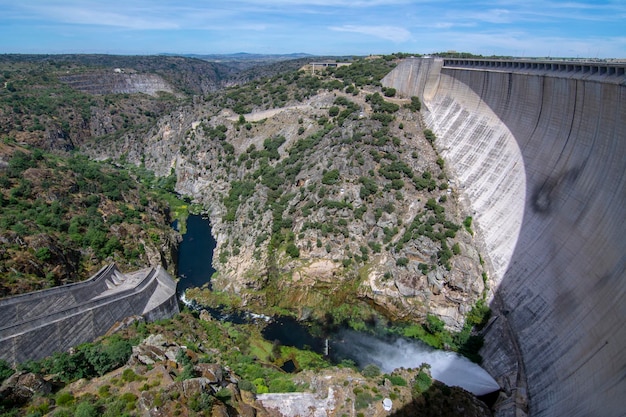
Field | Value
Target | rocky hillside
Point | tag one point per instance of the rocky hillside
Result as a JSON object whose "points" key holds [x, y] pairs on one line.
{"points": [[325, 195], [196, 366], [62, 219]]}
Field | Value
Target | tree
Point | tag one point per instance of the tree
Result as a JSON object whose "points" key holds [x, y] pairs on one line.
{"points": [[292, 250], [389, 92], [330, 177], [370, 371]]}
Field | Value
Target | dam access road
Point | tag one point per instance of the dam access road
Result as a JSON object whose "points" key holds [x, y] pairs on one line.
{"points": [[537, 151]]}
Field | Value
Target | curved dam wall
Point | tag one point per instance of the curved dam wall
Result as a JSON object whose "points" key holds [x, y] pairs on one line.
{"points": [[537, 151], [37, 324]]}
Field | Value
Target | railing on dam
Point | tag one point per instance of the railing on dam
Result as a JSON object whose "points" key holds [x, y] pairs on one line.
{"points": [[556, 67]]}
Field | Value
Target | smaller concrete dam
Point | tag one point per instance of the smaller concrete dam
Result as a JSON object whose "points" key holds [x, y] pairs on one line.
{"points": [[37, 324], [537, 152]]}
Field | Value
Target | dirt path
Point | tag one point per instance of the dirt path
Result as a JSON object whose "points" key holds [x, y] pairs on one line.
{"points": [[264, 114]]}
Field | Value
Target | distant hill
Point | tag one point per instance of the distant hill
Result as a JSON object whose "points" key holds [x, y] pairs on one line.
{"points": [[244, 56]]}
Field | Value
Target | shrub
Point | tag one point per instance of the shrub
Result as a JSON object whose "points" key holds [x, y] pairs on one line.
{"points": [[292, 250], [397, 380], [389, 92], [246, 385], [421, 383], [456, 249], [370, 371], [330, 177], [434, 324], [86, 409], [402, 262], [429, 135], [64, 398], [415, 105], [363, 400], [5, 370]]}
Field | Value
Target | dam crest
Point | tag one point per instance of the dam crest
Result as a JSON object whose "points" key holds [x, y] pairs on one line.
{"points": [[537, 154]]}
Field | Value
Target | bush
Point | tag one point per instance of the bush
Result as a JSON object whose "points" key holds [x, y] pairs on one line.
{"points": [[292, 250], [330, 177], [363, 400], [434, 324], [402, 262], [429, 135], [389, 92], [371, 371], [86, 409], [246, 385], [397, 380], [64, 398], [5, 370], [415, 105], [422, 383], [468, 224]]}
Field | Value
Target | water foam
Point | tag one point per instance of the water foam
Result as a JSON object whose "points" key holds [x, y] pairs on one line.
{"points": [[448, 367]]}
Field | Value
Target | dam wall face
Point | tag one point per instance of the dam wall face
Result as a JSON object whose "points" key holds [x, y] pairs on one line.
{"points": [[37, 324], [538, 154]]}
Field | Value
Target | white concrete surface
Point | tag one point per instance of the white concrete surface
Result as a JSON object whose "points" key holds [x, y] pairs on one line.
{"points": [[541, 159]]}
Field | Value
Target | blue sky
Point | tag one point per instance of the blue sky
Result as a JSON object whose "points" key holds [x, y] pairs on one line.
{"points": [[555, 28]]}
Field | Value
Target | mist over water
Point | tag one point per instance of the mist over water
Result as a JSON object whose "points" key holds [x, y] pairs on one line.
{"points": [[448, 367]]}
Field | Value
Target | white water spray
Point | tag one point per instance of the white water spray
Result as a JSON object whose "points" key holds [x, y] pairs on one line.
{"points": [[448, 367]]}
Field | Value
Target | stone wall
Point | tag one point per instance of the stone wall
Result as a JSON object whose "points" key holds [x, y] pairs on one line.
{"points": [[37, 324], [538, 154]]}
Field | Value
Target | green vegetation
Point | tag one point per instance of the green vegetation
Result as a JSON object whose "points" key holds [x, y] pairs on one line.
{"points": [[429, 135], [434, 333], [422, 383], [87, 361], [5, 370], [415, 105], [467, 223], [72, 215]]}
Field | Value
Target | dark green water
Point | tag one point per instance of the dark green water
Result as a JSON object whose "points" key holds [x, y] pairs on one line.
{"points": [[195, 254]]}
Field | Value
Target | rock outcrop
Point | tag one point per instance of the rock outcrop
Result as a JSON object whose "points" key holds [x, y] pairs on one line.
{"points": [[388, 239]]}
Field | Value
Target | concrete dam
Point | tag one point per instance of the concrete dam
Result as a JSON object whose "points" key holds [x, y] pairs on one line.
{"points": [[37, 324], [537, 151]]}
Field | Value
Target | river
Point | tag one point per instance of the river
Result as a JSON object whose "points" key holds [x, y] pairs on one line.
{"points": [[195, 270]]}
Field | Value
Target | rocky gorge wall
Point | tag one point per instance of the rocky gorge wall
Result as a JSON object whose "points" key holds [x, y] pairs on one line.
{"points": [[111, 82], [37, 324], [537, 151]]}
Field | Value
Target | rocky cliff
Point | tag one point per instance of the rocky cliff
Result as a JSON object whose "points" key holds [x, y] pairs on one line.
{"points": [[117, 81], [316, 209]]}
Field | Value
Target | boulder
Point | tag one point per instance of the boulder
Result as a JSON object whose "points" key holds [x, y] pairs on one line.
{"points": [[20, 387]]}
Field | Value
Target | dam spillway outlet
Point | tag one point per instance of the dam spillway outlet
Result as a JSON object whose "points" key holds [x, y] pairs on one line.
{"points": [[538, 152], [37, 324], [448, 367]]}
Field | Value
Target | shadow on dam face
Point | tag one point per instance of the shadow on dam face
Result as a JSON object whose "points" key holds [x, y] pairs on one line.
{"points": [[540, 156]]}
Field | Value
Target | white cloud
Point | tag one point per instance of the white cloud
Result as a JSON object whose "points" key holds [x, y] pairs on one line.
{"points": [[390, 33], [102, 15]]}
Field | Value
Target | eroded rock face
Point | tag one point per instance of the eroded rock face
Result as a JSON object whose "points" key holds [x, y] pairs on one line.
{"points": [[354, 203], [20, 387]]}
